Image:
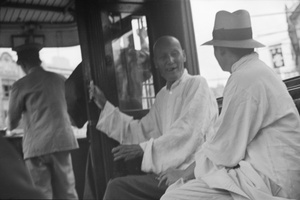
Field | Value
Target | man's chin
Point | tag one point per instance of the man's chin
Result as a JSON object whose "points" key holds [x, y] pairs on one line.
{"points": [[172, 78]]}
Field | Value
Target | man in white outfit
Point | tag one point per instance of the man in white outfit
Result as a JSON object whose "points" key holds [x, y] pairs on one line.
{"points": [[169, 135], [255, 152]]}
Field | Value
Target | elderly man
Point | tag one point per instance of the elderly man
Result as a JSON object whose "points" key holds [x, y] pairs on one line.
{"points": [[167, 138], [255, 153]]}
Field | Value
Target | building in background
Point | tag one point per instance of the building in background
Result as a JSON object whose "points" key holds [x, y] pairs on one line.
{"points": [[9, 73], [282, 44]]}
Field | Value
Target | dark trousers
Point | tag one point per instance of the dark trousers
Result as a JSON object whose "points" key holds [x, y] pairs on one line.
{"points": [[137, 187]]}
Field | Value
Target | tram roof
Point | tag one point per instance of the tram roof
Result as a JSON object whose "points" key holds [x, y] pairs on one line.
{"points": [[51, 22]]}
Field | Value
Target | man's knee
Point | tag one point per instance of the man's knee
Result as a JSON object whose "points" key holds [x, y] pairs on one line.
{"points": [[115, 183], [134, 187], [113, 188]]}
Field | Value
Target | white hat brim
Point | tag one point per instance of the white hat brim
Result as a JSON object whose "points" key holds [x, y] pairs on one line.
{"points": [[250, 43]]}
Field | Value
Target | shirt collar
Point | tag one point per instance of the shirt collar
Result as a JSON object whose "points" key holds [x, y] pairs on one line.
{"points": [[33, 69], [241, 62], [183, 77]]}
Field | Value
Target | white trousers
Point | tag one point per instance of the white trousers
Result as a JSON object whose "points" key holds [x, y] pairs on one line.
{"points": [[194, 190]]}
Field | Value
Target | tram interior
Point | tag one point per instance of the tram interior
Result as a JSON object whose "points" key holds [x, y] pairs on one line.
{"points": [[57, 23]]}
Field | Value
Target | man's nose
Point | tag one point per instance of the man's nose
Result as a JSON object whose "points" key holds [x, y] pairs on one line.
{"points": [[170, 58]]}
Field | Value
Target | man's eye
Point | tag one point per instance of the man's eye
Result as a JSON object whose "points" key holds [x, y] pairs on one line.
{"points": [[175, 54]]}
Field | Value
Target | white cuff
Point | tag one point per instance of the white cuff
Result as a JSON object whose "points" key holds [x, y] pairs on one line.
{"points": [[147, 163]]}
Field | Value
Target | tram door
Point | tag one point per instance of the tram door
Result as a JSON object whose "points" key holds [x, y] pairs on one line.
{"points": [[116, 40]]}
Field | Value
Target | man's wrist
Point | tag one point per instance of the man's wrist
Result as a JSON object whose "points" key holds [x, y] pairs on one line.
{"points": [[103, 103], [100, 103]]}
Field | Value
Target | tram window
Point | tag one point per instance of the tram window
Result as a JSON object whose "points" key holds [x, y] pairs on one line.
{"points": [[63, 61], [274, 23], [130, 52]]}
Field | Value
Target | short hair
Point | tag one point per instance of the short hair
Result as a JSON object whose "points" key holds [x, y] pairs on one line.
{"points": [[166, 39], [29, 53], [31, 58], [240, 52]]}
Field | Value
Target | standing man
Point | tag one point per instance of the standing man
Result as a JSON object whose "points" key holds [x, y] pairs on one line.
{"points": [[167, 138], [255, 153], [39, 99]]}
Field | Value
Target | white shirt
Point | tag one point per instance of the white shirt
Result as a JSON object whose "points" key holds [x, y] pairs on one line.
{"points": [[174, 128], [259, 128]]}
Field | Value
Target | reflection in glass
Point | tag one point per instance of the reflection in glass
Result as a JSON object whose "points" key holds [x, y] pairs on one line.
{"points": [[132, 65]]}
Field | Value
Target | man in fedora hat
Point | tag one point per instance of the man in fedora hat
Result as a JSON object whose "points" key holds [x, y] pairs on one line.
{"points": [[39, 99], [255, 151]]}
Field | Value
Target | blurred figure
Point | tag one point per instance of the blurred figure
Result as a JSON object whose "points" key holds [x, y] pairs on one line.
{"points": [[15, 181], [39, 99], [133, 68]]}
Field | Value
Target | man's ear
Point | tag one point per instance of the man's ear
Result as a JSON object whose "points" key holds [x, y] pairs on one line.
{"points": [[184, 55], [22, 65], [155, 63]]}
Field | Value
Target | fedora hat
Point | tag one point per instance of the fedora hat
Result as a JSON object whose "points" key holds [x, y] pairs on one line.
{"points": [[233, 30]]}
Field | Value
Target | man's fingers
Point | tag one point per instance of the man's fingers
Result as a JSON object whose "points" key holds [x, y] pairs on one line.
{"points": [[91, 90], [161, 180], [120, 155], [159, 184], [129, 157], [126, 157], [161, 175], [123, 148], [123, 154], [116, 158], [127, 152], [116, 149]]}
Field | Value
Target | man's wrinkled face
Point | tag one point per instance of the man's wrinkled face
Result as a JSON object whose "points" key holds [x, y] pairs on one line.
{"points": [[169, 59]]}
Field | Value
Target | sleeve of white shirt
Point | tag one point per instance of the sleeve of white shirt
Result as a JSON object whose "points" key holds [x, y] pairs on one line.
{"points": [[176, 148], [124, 128]]}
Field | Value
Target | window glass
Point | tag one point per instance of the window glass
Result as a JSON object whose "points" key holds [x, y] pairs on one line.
{"points": [[131, 59], [274, 23]]}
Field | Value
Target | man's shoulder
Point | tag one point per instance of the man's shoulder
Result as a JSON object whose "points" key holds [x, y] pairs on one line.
{"points": [[197, 76], [20, 82], [55, 75], [195, 79]]}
